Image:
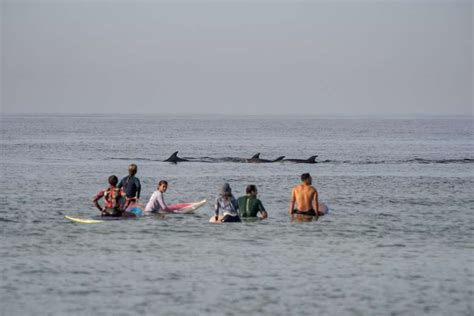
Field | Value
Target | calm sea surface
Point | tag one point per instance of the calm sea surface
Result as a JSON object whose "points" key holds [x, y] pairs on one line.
{"points": [[399, 239]]}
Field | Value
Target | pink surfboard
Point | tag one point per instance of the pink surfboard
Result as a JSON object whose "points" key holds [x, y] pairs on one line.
{"points": [[186, 208]]}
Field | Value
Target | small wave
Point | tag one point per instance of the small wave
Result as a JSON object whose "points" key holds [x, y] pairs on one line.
{"points": [[391, 245], [414, 160], [2, 219], [139, 159], [427, 161]]}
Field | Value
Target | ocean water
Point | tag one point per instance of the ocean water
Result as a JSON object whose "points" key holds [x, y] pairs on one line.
{"points": [[398, 239]]}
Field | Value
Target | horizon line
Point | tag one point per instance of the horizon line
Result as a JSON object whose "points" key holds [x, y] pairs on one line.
{"points": [[342, 115]]}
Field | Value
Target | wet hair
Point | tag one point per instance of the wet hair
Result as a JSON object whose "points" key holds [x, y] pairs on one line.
{"points": [[162, 182], [113, 180], [305, 176], [132, 169], [250, 188]]}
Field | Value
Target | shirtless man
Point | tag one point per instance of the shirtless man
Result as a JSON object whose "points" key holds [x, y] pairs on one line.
{"points": [[306, 198]]}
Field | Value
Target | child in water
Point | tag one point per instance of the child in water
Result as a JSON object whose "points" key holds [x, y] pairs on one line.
{"points": [[157, 203], [131, 185], [113, 199], [226, 204]]}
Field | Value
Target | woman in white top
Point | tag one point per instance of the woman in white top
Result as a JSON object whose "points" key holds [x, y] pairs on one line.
{"points": [[157, 202]]}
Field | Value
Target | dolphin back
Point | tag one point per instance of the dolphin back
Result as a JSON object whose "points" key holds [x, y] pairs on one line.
{"points": [[312, 159], [174, 158], [279, 159]]}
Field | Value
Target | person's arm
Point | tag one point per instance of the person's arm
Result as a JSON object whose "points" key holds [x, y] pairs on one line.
{"points": [[216, 209], [124, 201], [96, 200], [120, 184], [292, 202], [161, 201], [316, 202], [139, 188], [262, 210]]}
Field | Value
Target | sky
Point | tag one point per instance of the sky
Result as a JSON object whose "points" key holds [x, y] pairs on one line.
{"points": [[235, 57]]}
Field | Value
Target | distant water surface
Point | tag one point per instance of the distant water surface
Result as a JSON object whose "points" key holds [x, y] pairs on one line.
{"points": [[398, 240]]}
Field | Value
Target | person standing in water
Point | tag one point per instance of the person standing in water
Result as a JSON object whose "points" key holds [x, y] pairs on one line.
{"points": [[305, 196], [157, 202], [113, 199], [249, 205], [131, 185], [227, 205]]}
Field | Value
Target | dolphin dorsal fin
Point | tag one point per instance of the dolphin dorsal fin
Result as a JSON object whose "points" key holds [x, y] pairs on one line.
{"points": [[279, 158], [312, 158], [173, 157], [256, 156]]}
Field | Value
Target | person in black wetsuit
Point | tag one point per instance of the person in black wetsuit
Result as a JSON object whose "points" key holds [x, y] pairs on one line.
{"points": [[131, 185]]}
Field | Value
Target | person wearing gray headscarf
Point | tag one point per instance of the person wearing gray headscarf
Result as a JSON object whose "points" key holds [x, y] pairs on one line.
{"points": [[227, 205]]}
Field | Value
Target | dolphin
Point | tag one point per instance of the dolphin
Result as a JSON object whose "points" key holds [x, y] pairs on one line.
{"points": [[256, 159], [311, 159], [174, 158]]}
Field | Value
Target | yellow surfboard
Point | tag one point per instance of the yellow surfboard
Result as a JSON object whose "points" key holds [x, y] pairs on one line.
{"points": [[82, 220]]}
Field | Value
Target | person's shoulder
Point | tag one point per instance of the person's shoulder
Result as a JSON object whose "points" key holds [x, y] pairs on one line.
{"points": [[241, 198], [298, 186]]}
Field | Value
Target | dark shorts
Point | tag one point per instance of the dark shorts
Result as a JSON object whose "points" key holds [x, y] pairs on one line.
{"points": [[307, 213], [112, 212], [231, 219]]}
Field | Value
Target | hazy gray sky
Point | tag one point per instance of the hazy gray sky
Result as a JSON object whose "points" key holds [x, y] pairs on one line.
{"points": [[320, 57]]}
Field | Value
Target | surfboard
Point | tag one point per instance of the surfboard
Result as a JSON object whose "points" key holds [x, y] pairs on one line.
{"points": [[136, 208], [186, 208], [83, 220], [212, 220], [323, 207]]}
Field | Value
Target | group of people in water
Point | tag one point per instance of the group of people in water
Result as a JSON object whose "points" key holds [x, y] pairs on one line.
{"points": [[120, 196]]}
